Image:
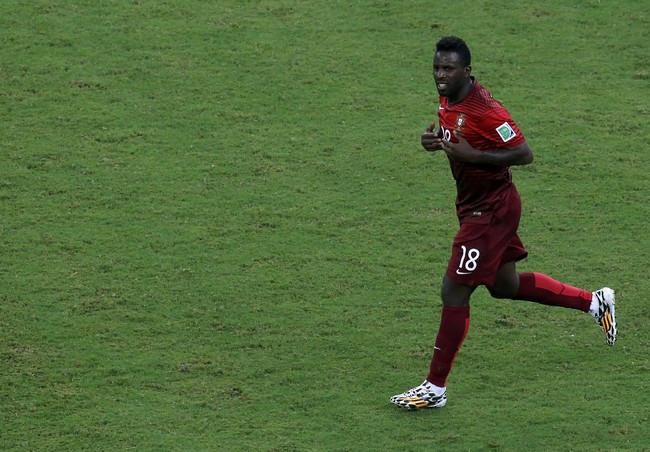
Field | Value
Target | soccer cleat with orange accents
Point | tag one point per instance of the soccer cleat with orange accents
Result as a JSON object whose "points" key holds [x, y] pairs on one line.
{"points": [[606, 315]]}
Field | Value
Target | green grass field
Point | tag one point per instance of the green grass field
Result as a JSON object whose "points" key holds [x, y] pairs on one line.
{"points": [[219, 231]]}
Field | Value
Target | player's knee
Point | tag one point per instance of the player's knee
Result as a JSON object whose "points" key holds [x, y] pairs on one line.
{"points": [[455, 295], [506, 284], [502, 292], [496, 293]]}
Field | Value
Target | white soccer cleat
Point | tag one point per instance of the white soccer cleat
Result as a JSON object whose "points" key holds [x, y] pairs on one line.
{"points": [[606, 314], [419, 397]]}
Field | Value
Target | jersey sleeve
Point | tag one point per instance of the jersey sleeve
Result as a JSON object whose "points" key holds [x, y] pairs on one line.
{"points": [[498, 127]]}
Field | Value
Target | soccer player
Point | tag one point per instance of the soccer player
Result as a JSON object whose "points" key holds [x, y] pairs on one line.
{"points": [[481, 142]]}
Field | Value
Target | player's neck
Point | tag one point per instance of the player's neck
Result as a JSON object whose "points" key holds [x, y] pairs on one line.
{"points": [[463, 92]]}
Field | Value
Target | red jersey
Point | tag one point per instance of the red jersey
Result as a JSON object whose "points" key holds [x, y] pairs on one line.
{"points": [[486, 125]]}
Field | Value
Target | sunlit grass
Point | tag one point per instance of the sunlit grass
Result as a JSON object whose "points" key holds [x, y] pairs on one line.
{"points": [[219, 231]]}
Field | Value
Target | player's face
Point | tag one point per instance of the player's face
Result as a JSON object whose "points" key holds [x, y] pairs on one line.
{"points": [[451, 75]]}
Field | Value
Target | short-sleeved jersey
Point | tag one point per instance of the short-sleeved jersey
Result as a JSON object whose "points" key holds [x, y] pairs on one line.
{"points": [[486, 125]]}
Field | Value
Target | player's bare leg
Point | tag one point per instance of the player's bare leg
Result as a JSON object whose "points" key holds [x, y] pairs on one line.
{"points": [[506, 283]]}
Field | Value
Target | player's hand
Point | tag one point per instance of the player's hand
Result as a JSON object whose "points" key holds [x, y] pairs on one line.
{"points": [[431, 139], [461, 151]]}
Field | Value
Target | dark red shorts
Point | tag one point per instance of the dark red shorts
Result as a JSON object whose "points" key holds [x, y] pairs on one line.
{"points": [[485, 242]]}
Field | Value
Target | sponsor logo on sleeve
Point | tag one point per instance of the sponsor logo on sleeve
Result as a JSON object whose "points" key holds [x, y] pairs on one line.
{"points": [[506, 132]]}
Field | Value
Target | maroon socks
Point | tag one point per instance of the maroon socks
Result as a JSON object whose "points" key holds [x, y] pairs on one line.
{"points": [[454, 324], [545, 290]]}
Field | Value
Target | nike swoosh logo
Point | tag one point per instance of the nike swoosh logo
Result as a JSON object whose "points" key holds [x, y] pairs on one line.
{"points": [[441, 108], [463, 273]]}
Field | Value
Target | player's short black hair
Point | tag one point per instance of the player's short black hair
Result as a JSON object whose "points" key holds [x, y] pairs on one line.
{"points": [[456, 45]]}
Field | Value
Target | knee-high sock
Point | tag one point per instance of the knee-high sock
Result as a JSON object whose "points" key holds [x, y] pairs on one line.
{"points": [[454, 324], [545, 290]]}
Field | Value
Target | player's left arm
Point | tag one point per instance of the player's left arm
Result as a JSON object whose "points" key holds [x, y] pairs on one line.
{"points": [[497, 128], [464, 152]]}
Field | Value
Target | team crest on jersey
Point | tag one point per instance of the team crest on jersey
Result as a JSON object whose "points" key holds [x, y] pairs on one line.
{"points": [[506, 132], [460, 121]]}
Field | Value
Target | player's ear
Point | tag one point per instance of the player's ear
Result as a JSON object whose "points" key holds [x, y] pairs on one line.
{"points": [[468, 70]]}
